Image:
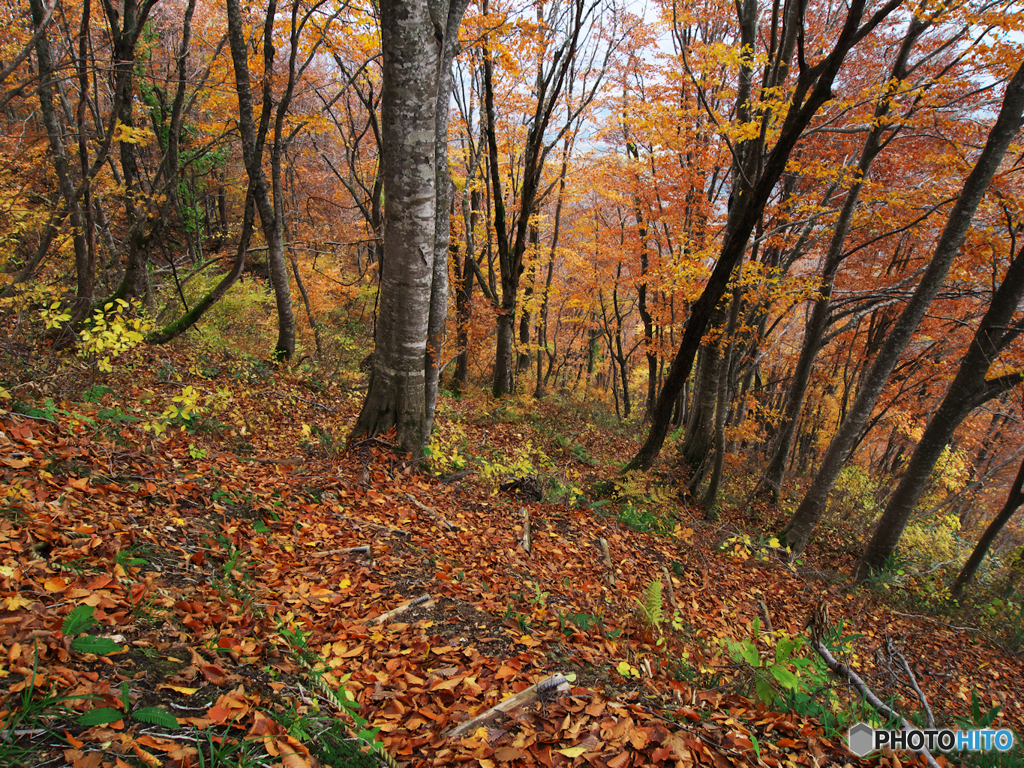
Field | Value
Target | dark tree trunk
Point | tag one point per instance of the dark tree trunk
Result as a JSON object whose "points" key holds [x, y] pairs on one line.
{"points": [[968, 390], [804, 520], [813, 89], [1013, 502]]}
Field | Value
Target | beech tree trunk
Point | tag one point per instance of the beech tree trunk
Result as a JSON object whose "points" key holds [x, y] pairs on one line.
{"points": [[801, 525], [404, 373], [1013, 503], [438, 316], [813, 89], [968, 390]]}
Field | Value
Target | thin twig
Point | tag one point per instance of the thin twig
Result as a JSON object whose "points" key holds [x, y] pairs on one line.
{"points": [[845, 672], [917, 689]]}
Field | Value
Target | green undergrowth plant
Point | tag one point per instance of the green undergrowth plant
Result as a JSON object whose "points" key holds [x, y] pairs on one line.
{"points": [[644, 504], [342, 700], [787, 675], [26, 717], [977, 718]]}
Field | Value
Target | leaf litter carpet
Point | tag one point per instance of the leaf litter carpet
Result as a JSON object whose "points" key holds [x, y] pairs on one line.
{"points": [[201, 563]]}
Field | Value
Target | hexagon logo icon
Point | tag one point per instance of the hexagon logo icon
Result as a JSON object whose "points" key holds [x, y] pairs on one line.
{"points": [[861, 739]]}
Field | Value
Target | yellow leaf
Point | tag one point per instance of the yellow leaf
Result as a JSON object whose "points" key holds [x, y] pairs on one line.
{"points": [[14, 602], [182, 689], [572, 751]]}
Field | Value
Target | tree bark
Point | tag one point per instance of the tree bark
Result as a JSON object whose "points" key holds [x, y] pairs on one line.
{"points": [[1013, 503], [813, 89], [811, 509], [403, 380], [968, 390]]}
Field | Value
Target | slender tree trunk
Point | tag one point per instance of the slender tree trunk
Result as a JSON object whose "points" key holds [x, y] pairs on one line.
{"points": [[968, 390], [1013, 502], [452, 11], [253, 142], [724, 397], [811, 509], [813, 89], [698, 436], [464, 293], [83, 265], [815, 331]]}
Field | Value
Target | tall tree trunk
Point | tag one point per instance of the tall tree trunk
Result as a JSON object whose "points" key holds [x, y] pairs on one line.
{"points": [[451, 11], [83, 265], [968, 390], [811, 509], [725, 391], [413, 46], [1013, 502], [813, 89], [253, 142], [464, 292]]}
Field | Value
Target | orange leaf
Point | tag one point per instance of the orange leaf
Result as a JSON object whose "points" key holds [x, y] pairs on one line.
{"points": [[72, 740], [214, 674], [147, 757]]}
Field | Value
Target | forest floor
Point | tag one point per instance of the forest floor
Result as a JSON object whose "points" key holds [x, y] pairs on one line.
{"points": [[193, 597]]}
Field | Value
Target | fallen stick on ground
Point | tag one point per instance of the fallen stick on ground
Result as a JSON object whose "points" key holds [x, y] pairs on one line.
{"points": [[527, 537], [423, 600], [432, 511], [608, 561], [844, 671], [671, 590], [343, 551], [538, 692]]}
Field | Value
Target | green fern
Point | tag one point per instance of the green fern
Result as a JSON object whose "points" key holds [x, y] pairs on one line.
{"points": [[651, 606], [78, 621], [156, 716]]}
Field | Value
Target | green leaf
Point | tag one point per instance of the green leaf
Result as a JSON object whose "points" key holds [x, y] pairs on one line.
{"points": [[748, 652], [101, 716], [78, 621], [786, 678], [156, 716], [98, 645], [765, 692]]}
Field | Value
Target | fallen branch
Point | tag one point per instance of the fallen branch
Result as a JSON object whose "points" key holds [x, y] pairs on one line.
{"points": [[423, 600], [432, 511], [527, 538], [608, 561], [343, 551], [539, 692], [913, 684], [840, 669], [670, 589]]}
